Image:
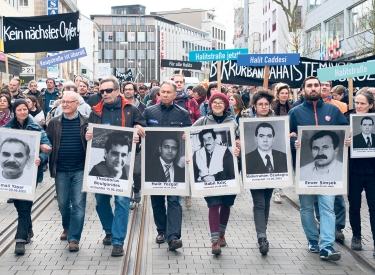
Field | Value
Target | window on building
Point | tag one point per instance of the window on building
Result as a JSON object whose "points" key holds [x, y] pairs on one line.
{"points": [[24, 3], [131, 54], [274, 46], [108, 36], [123, 20], [100, 55], [114, 20], [150, 54], [361, 17], [150, 36], [120, 37], [141, 36], [142, 21], [313, 39], [141, 54], [213, 32], [335, 27], [99, 36], [120, 54], [311, 4], [274, 20], [133, 21], [108, 54]]}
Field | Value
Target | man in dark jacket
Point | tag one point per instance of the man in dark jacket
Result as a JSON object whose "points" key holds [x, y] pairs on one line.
{"points": [[48, 97], [66, 163], [167, 114], [114, 110], [313, 111]]}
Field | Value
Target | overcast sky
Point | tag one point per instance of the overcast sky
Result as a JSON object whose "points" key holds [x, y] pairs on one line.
{"points": [[224, 9]]}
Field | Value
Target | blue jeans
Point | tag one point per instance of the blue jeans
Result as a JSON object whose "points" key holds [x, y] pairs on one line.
{"points": [[340, 211], [72, 202], [327, 219], [113, 223], [167, 221]]}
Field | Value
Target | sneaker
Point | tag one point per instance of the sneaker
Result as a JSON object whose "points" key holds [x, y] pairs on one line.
{"points": [[313, 246], [216, 250], [329, 253], [282, 194], [64, 235], [339, 236], [263, 246], [20, 249], [160, 238], [107, 239], [188, 202], [117, 250], [276, 198], [356, 243], [73, 246], [137, 197], [29, 236], [223, 242], [175, 244]]}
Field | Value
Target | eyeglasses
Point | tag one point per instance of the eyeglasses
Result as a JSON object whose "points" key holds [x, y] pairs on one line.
{"points": [[263, 104], [67, 101], [130, 89], [218, 103], [108, 91]]}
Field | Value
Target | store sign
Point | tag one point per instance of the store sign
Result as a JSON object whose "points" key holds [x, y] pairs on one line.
{"points": [[28, 70]]}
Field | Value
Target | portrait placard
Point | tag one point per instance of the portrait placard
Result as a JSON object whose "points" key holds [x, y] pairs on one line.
{"points": [[213, 167], [322, 160], [265, 152], [363, 135], [109, 160], [164, 169], [18, 151]]}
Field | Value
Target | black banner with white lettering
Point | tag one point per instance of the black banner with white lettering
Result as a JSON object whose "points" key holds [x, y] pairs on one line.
{"points": [[41, 33], [293, 75], [127, 76], [180, 64]]}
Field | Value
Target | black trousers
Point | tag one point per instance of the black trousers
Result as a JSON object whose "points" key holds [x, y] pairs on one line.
{"points": [[24, 219], [358, 183]]}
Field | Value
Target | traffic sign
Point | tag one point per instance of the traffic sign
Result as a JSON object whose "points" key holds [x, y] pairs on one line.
{"points": [[52, 4], [215, 55], [52, 12], [346, 71], [268, 59]]}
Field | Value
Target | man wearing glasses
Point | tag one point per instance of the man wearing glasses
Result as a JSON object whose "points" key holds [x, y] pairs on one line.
{"points": [[314, 111], [114, 109], [66, 163]]}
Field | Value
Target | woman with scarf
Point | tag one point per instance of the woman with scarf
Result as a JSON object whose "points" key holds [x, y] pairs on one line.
{"points": [[22, 121], [200, 94], [281, 107], [219, 206], [35, 111], [261, 107], [5, 109]]}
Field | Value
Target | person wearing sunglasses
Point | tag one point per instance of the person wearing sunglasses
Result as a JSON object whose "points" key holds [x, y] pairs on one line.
{"points": [[114, 109]]}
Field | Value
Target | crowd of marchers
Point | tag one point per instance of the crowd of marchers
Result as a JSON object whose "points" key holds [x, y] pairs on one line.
{"points": [[62, 112]]}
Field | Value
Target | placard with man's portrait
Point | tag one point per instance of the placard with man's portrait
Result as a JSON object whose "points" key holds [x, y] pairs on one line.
{"points": [[265, 152], [164, 169], [213, 166], [18, 151], [363, 135], [110, 160], [322, 160]]}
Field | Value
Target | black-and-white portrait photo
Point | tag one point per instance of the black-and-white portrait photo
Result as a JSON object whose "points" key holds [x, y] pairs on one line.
{"points": [[110, 160], [363, 135], [322, 158], [213, 163], [17, 161], [164, 161], [266, 152]]}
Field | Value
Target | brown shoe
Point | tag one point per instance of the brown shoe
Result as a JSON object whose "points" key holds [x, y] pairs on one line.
{"points": [[175, 244], [160, 238], [216, 250], [73, 246], [64, 235], [223, 242]]}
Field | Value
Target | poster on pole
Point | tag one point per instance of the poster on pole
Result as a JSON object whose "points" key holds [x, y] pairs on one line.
{"points": [[322, 160], [18, 151], [109, 160]]}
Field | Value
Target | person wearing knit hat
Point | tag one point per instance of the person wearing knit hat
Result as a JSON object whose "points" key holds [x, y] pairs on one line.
{"points": [[154, 96], [18, 102], [214, 162]]}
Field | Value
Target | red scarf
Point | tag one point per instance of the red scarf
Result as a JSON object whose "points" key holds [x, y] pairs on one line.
{"points": [[201, 99], [4, 117]]}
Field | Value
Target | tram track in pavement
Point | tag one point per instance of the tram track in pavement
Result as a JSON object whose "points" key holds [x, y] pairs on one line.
{"points": [[362, 261]]}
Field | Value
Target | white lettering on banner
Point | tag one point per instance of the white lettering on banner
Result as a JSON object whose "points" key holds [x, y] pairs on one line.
{"points": [[278, 73], [39, 33], [346, 71]]}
